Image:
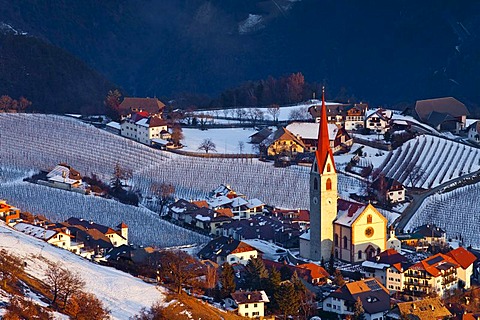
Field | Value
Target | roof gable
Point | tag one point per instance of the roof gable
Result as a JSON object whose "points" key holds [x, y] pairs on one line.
{"points": [[448, 105], [462, 256]]}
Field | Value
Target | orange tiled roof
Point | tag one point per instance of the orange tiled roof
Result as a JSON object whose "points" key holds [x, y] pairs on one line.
{"points": [[316, 271], [201, 203], [432, 263], [462, 256], [226, 212]]}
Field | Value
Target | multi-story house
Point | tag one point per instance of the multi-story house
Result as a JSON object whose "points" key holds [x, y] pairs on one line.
{"points": [[466, 260], [436, 274], [349, 116], [250, 304], [379, 121], [388, 268], [223, 249], [142, 127]]}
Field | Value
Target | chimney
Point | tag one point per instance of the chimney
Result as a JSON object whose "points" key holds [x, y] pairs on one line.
{"points": [[432, 307], [248, 296]]}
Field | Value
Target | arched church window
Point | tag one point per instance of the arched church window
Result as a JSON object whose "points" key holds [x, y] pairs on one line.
{"points": [[369, 218], [329, 167], [335, 239], [336, 253], [359, 254], [345, 242], [329, 184], [315, 184]]}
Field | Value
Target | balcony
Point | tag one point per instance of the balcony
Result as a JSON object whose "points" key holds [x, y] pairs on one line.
{"points": [[417, 284], [449, 279], [418, 276]]}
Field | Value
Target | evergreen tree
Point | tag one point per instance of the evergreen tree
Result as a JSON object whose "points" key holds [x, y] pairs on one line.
{"points": [[272, 285], [227, 280], [287, 300], [256, 273], [358, 311], [285, 272], [331, 267]]}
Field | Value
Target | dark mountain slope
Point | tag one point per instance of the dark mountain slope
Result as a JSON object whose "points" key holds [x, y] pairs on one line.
{"points": [[382, 52], [53, 79]]}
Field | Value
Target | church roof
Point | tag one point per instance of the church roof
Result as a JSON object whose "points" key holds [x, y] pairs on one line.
{"points": [[348, 212], [323, 148]]}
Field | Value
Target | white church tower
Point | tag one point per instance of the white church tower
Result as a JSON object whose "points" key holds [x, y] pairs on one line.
{"points": [[323, 194]]}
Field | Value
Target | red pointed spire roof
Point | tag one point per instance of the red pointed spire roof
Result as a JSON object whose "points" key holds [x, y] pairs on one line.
{"points": [[323, 147]]}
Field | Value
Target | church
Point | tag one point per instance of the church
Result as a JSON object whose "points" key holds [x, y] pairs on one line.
{"points": [[348, 230]]}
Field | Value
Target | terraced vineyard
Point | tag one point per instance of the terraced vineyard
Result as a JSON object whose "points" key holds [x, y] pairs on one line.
{"points": [[442, 160], [458, 212]]}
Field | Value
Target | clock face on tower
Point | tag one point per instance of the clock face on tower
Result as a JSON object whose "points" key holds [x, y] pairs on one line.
{"points": [[369, 232], [315, 200]]}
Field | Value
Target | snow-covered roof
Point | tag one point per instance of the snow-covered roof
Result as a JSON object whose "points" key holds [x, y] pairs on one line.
{"points": [[63, 173], [348, 212], [218, 201], [375, 265], [252, 203], [238, 202], [309, 130], [305, 235], [143, 122], [62, 179], [34, 231], [202, 218], [115, 125]]}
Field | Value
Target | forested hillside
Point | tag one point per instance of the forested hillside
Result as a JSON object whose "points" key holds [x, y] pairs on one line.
{"points": [[379, 52]]}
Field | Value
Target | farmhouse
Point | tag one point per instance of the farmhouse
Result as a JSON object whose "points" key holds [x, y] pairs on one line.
{"points": [[374, 297], [444, 114], [284, 142], [223, 249], [89, 229], [142, 127], [307, 132], [424, 309], [152, 106], [352, 231], [65, 177]]}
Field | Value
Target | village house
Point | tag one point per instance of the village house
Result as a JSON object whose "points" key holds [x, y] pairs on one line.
{"points": [[9, 213], [424, 309], [250, 304], [307, 132], [224, 249], [239, 206], [311, 273], [373, 295], [388, 189], [436, 274], [59, 237], [378, 121], [444, 114]]}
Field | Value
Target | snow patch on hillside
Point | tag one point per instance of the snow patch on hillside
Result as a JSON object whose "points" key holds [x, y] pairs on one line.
{"points": [[122, 293], [251, 24]]}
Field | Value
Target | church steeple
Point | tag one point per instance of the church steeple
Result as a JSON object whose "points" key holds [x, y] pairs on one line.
{"points": [[323, 146]]}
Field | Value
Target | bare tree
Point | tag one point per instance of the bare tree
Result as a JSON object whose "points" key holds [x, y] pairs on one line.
{"points": [[62, 283], [208, 145], [112, 103], [164, 193], [241, 146], [179, 269], [120, 176], [415, 174], [274, 111]]}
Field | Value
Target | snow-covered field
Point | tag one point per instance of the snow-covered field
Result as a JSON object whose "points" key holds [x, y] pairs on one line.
{"points": [[457, 212], [442, 160], [285, 112], [226, 140], [123, 294]]}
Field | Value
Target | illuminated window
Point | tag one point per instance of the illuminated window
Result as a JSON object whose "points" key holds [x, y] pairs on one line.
{"points": [[369, 218]]}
